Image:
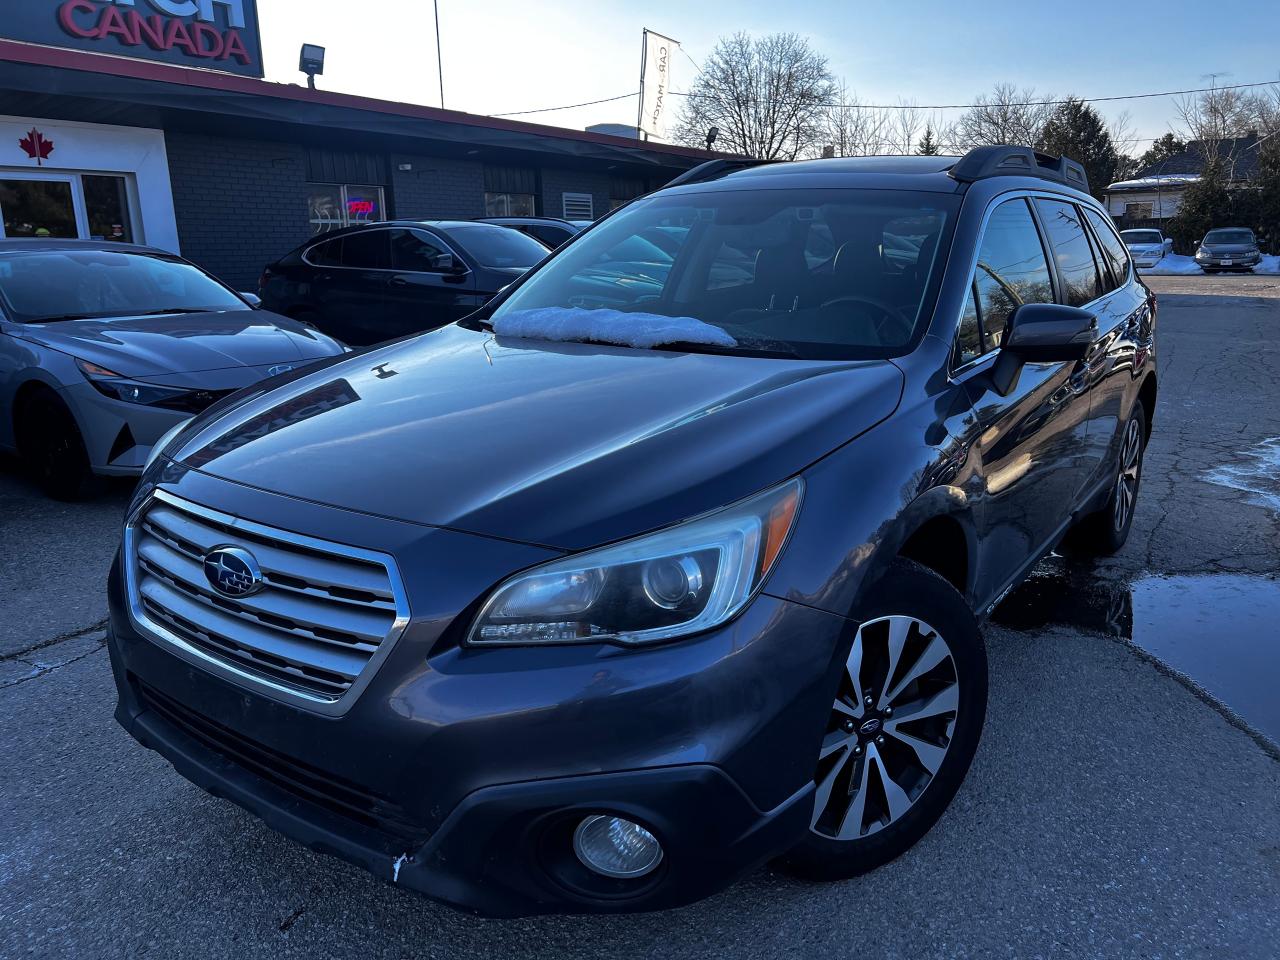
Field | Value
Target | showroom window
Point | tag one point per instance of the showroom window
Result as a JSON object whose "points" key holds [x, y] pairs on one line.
{"points": [[331, 206], [73, 205], [510, 192]]}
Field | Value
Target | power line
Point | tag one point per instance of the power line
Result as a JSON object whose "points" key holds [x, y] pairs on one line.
{"points": [[570, 106], [1022, 103]]}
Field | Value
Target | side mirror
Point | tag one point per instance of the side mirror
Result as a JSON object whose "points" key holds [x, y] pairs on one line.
{"points": [[252, 299], [447, 263], [1043, 333]]}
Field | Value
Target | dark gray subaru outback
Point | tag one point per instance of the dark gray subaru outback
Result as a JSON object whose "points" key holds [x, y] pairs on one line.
{"points": [[668, 562]]}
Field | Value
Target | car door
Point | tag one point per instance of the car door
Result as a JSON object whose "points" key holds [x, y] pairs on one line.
{"points": [[1031, 442], [351, 291], [1126, 313], [429, 284]]}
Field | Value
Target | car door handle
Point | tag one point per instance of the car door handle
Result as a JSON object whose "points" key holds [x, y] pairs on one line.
{"points": [[398, 282]]}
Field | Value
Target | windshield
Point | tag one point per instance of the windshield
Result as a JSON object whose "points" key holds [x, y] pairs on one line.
{"points": [[501, 247], [84, 284], [809, 273], [1132, 237], [1228, 236]]}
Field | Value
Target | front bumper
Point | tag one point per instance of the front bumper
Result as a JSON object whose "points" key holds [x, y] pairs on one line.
{"points": [[460, 773], [118, 436]]}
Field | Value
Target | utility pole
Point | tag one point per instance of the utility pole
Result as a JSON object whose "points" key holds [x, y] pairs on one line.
{"points": [[439, 60]]}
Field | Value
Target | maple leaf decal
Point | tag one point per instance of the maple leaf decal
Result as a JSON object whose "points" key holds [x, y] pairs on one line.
{"points": [[36, 146]]}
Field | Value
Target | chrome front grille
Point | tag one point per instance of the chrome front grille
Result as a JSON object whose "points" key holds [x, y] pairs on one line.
{"points": [[324, 615]]}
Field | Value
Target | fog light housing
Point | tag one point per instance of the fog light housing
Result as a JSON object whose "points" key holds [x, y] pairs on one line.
{"points": [[614, 847]]}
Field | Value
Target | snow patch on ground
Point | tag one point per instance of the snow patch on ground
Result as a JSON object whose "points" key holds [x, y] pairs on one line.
{"points": [[1175, 266], [642, 330], [1260, 478]]}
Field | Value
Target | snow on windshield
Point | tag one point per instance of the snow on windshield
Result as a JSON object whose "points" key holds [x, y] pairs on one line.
{"points": [[626, 329]]}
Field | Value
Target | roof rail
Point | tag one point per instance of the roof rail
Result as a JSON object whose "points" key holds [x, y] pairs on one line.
{"points": [[714, 169], [1002, 161]]}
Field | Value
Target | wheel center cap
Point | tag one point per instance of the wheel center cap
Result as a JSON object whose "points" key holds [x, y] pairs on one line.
{"points": [[870, 727]]}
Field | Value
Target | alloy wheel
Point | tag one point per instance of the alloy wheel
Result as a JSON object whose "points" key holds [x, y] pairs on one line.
{"points": [[1126, 493], [890, 728]]}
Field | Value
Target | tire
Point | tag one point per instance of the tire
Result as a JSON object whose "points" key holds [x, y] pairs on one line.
{"points": [[925, 741], [1104, 532], [52, 448]]}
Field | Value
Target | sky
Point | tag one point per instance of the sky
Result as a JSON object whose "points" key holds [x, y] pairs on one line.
{"points": [[509, 55]]}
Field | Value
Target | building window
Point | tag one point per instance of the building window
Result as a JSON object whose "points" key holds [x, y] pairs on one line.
{"points": [[331, 206], [509, 204], [1145, 210], [87, 206], [579, 206], [510, 191]]}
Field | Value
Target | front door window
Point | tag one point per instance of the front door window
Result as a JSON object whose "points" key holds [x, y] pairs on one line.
{"points": [[38, 208]]}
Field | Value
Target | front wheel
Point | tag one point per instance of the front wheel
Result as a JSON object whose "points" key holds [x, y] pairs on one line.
{"points": [[903, 728], [52, 448]]}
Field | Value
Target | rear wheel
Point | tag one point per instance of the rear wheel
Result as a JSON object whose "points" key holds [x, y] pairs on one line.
{"points": [[903, 728], [1104, 532], [52, 448]]}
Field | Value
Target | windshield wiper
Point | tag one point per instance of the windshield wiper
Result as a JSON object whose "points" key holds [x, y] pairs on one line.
{"points": [[744, 348], [165, 311]]}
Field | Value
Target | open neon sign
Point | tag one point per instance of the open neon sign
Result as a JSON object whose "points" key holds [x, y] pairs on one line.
{"points": [[359, 208]]}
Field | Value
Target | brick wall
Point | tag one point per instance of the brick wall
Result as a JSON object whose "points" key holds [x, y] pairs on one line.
{"points": [[556, 183], [437, 189], [239, 203]]}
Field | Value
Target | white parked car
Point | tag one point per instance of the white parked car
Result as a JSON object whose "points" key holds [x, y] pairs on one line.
{"points": [[1146, 246]]}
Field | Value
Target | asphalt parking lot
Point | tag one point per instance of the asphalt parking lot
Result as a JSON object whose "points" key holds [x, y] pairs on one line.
{"points": [[1125, 800]]}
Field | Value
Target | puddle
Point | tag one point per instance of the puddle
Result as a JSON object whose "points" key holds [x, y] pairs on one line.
{"points": [[1222, 631], [1258, 476]]}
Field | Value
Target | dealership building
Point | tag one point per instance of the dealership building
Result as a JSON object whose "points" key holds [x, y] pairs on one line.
{"points": [[148, 121]]}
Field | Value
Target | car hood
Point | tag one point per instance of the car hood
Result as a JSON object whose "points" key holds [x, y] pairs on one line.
{"points": [[1226, 249], [155, 347], [1145, 249], [566, 445]]}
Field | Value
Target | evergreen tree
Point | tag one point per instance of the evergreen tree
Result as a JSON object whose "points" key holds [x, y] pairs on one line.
{"points": [[1269, 195], [928, 146], [1076, 131], [1160, 151], [1206, 204]]}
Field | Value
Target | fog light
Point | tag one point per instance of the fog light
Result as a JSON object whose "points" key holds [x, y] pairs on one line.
{"points": [[616, 848]]}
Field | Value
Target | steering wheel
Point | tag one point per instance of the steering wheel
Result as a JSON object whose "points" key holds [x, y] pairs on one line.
{"points": [[888, 317]]}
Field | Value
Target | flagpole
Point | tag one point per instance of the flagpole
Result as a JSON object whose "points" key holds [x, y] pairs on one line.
{"points": [[644, 61], [439, 59]]}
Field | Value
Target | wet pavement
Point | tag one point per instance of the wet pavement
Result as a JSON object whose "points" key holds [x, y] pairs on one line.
{"points": [[1218, 633]]}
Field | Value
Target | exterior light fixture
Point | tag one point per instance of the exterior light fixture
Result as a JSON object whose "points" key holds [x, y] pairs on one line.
{"points": [[311, 62]]}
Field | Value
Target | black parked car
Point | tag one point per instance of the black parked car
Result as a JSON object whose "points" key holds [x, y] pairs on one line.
{"points": [[1228, 248], [554, 233], [379, 281], [608, 593]]}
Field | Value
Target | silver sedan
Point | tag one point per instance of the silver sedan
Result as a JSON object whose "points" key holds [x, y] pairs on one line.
{"points": [[105, 347]]}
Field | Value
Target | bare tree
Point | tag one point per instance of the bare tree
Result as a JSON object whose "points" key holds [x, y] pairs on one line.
{"points": [[850, 129], [1006, 115], [768, 95]]}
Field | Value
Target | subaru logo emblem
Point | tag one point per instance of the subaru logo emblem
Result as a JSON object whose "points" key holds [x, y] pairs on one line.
{"points": [[232, 572], [870, 728], [279, 368]]}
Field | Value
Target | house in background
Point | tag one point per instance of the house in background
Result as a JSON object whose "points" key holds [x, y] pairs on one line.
{"points": [[1154, 194]]}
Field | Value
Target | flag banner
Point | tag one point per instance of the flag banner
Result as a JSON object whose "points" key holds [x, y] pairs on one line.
{"points": [[655, 84]]}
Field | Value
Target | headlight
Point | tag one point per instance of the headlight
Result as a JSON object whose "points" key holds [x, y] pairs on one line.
{"points": [[682, 580], [1202, 252], [111, 384], [158, 447]]}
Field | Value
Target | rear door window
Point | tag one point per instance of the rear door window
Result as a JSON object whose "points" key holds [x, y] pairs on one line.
{"points": [[1012, 269], [1064, 224], [1113, 248], [367, 250], [327, 254]]}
